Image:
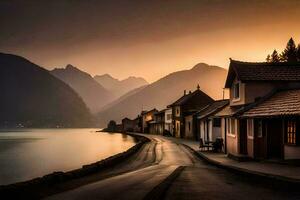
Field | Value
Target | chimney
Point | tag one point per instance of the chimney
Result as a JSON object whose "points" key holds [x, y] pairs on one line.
{"points": [[198, 87], [190, 92], [184, 92]]}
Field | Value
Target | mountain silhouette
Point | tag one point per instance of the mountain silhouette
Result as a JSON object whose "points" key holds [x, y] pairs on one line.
{"points": [[93, 94], [32, 97], [120, 87], [166, 90]]}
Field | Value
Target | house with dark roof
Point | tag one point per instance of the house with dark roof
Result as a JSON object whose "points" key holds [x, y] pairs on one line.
{"points": [[146, 118], [262, 118], [184, 106], [162, 122], [209, 124], [129, 125]]}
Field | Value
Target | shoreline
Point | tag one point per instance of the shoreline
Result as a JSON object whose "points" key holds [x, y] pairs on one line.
{"points": [[27, 188]]}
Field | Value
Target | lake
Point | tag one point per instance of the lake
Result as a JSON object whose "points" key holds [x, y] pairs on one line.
{"points": [[30, 153]]}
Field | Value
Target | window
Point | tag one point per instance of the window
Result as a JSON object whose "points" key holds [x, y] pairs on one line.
{"points": [[236, 91], [189, 126], [177, 111], [259, 129], [217, 122], [169, 116], [291, 133], [230, 126], [250, 127]]}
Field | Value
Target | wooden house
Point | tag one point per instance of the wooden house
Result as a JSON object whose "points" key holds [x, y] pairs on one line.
{"points": [[147, 117], [261, 120], [162, 123], [209, 124], [193, 101]]}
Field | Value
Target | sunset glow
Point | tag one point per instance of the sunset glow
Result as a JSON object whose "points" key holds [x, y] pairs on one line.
{"points": [[148, 39]]}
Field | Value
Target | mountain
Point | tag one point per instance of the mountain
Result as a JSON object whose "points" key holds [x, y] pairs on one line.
{"points": [[93, 94], [166, 90], [120, 87], [131, 92], [32, 97]]}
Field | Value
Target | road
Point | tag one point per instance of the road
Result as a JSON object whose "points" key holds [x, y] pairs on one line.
{"points": [[160, 160]]}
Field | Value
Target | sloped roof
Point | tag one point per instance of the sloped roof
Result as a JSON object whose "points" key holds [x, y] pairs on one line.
{"points": [[281, 103], [228, 111], [146, 112], [185, 98], [212, 108], [249, 71]]}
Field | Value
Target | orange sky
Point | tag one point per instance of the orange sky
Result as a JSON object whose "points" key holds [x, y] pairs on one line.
{"points": [[145, 39]]}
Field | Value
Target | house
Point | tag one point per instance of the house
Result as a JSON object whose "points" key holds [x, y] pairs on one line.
{"points": [[193, 101], [128, 125], [138, 124], [168, 121], [162, 123], [147, 117], [157, 126], [209, 124], [261, 120]]}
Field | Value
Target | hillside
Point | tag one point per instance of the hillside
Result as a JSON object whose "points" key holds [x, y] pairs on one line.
{"points": [[120, 87], [166, 90], [32, 97], [93, 94]]}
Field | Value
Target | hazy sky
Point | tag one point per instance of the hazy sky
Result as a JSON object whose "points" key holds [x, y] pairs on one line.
{"points": [[145, 38]]}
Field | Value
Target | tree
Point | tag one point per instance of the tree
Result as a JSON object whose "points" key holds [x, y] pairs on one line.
{"points": [[275, 57], [111, 126], [268, 59], [298, 52], [289, 54]]}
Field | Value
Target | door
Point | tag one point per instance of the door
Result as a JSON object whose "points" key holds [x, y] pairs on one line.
{"points": [[243, 136], [274, 135]]}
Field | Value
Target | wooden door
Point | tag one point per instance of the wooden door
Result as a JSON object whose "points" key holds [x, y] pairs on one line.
{"points": [[274, 138]]}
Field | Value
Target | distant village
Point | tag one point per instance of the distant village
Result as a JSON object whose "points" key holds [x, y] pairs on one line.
{"points": [[260, 120]]}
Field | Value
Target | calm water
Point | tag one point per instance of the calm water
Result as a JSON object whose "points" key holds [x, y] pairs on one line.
{"points": [[29, 153]]}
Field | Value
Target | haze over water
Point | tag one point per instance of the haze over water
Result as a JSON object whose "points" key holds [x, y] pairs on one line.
{"points": [[30, 153]]}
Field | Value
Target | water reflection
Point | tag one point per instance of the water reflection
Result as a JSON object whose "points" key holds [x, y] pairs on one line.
{"points": [[31, 153]]}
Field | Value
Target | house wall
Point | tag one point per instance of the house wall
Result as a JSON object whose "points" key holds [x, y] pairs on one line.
{"points": [[168, 120], [291, 152], [189, 129], [257, 89], [250, 138], [232, 140], [216, 133], [168, 112], [241, 100], [250, 147], [251, 90], [202, 129]]}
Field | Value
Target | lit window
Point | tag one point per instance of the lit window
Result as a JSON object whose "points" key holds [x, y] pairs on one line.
{"points": [[291, 133], [236, 90], [250, 127]]}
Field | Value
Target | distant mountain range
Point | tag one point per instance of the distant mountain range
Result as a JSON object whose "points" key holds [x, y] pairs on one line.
{"points": [[94, 95], [32, 97], [166, 90], [120, 87]]}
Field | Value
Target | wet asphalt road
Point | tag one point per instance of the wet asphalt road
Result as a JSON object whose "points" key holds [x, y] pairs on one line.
{"points": [[197, 180]]}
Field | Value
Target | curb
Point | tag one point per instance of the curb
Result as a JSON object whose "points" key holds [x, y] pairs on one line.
{"points": [[270, 178]]}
